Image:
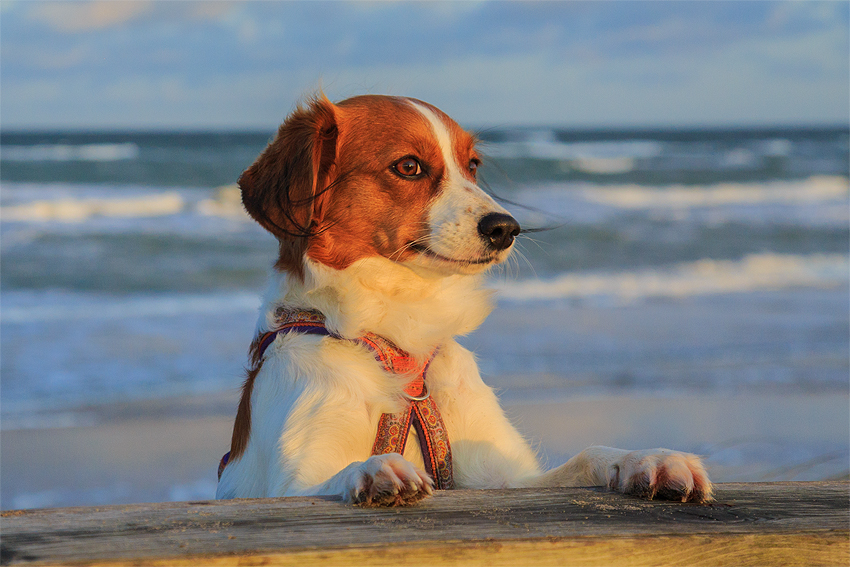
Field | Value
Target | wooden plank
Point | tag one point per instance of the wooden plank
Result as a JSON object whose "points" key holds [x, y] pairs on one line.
{"points": [[750, 524]]}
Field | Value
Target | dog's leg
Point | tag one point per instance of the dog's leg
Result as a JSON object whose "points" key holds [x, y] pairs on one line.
{"points": [[380, 480], [670, 475]]}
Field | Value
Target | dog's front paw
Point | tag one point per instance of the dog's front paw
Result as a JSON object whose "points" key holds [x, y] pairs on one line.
{"points": [[389, 480], [661, 473]]}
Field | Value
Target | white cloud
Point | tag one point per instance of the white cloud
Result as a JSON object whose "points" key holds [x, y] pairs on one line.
{"points": [[671, 29], [789, 13], [77, 17], [241, 64], [44, 58], [210, 10], [94, 15]]}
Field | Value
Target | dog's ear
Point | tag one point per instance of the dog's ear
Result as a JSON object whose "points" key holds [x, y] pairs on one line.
{"points": [[286, 189]]}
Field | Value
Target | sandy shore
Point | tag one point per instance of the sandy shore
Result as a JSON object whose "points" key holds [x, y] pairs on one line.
{"points": [[169, 450]]}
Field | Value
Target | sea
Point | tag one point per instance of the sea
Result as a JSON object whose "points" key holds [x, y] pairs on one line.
{"points": [[666, 262]]}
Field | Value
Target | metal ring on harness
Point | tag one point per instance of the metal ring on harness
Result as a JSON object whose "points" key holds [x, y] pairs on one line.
{"points": [[423, 396]]}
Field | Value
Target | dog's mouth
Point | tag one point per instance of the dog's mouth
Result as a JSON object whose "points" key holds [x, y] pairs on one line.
{"points": [[428, 252]]}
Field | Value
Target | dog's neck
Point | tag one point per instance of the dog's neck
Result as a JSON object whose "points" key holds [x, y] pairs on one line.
{"points": [[416, 311]]}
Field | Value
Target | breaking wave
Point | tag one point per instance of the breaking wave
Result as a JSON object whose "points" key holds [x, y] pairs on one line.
{"points": [[75, 205], [813, 190], [70, 152], [755, 272], [78, 210]]}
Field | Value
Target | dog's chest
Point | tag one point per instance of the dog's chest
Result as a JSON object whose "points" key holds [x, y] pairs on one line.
{"points": [[412, 450]]}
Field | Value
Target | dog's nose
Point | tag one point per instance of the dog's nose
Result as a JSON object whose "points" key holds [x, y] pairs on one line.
{"points": [[498, 229]]}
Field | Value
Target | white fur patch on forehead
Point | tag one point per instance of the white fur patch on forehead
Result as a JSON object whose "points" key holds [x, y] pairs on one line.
{"points": [[444, 138], [455, 244]]}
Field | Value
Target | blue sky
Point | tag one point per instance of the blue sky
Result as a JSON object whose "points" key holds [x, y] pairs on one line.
{"points": [[191, 65]]}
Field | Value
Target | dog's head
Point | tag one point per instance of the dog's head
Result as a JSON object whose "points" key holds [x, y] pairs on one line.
{"points": [[376, 176]]}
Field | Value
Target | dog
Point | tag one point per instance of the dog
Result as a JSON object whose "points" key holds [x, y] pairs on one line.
{"points": [[357, 386]]}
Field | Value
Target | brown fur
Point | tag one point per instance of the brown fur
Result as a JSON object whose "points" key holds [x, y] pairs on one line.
{"points": [[325, 186], [375, 212], [285, 189], [242, 425], [326, 189]]}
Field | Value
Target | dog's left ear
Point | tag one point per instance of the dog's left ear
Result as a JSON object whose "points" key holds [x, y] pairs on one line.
{"points": [[286, 189]]}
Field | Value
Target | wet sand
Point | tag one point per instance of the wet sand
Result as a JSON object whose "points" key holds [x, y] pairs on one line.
{"points": [[169, 449]]}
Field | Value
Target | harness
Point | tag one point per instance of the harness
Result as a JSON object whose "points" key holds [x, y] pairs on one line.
{"points": [[393, 428]]}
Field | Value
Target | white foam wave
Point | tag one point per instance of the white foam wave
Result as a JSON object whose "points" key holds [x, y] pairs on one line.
{"points": [[78, 210], [756, 272], [69, 307], [59, 206], [594, 157], [36, 420], [606, 166], [62, 497], [70, 152], [812, 190], [226, 203], [811, 202]]}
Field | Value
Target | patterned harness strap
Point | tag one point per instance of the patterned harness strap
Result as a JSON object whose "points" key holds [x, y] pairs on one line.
{"points": [[393, 429]]}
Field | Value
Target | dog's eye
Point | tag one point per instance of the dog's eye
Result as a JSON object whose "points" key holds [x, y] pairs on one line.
{"points": [[473, 166], [408, 167]]}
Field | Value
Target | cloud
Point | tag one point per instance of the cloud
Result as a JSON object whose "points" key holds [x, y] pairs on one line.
{"points": [[207, 10], [56, 60], [243, 64], [76, 17], [99, 15]]}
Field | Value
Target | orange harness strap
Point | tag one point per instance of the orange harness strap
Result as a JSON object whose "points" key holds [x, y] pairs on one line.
{"points": [[393, 429]]}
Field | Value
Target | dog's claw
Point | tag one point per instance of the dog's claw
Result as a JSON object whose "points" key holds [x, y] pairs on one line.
{"points": [[662, 474], [390, 480]]}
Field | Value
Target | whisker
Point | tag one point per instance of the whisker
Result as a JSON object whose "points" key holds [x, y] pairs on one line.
{"points": [[538, 243], [525, 259], [543, 228], [510, 270], [408, 245]]}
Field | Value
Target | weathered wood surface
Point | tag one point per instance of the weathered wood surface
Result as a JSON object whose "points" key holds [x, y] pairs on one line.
{"points": [[749, 524]]}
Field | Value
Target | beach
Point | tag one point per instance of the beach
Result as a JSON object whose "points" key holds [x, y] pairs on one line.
{"points": [[162, 455], [687, 289], [675, 374]]}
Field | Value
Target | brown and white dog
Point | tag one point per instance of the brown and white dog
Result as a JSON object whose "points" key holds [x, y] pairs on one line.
{"points": [[383, 230]]}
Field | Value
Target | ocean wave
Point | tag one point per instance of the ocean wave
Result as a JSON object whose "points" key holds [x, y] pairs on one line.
{"points": [[45, 420], [755, 272], [226, 203], [812, 190], [31, 308], [63, 497], [595, 157], [78, 204], [79, 210], [811, 202], [70, 152], [650, 156]]}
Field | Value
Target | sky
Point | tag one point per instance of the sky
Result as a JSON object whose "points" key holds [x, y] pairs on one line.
{"points": [[244, 65]]}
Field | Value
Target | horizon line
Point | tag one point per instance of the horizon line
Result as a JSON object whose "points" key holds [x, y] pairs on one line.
{"points": [[669, 128]]}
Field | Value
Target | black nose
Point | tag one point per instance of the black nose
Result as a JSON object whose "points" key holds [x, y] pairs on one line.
{"points": [[498, 230]]}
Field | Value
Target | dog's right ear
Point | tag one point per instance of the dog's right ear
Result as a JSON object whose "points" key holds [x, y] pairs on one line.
{"points": [[286, 189]]}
